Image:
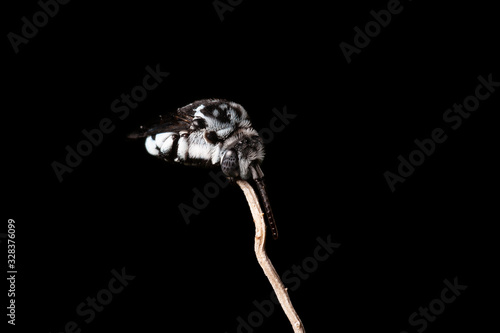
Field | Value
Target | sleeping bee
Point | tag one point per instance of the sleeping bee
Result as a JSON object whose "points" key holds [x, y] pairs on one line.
{"points": [[211, 133]]}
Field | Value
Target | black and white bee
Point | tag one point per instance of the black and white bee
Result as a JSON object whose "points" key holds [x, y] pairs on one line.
{"points": [[211, 133]]}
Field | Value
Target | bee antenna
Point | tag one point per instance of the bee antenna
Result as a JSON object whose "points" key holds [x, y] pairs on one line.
{"points": [[258, 177]]}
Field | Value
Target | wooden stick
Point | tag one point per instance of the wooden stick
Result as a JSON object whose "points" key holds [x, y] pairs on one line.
{"points": [[263, 259]]}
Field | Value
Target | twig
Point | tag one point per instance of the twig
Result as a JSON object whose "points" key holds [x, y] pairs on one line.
{"points": [[263, 259]]}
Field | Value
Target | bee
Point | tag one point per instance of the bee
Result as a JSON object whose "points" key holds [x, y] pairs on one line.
{"points": [[211, 133]]}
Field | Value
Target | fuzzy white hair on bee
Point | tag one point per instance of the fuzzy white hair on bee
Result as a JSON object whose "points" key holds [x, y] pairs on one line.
{"points": [[211, 133]]}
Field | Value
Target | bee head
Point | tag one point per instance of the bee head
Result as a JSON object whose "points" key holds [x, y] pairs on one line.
{"points": [[240, 153], [241, 158]]}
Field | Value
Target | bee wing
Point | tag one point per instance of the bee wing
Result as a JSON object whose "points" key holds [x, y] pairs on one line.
{"points": [[173, 122], [216, 117]]}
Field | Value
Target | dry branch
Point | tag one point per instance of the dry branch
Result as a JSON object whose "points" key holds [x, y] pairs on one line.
{"points": [[263, 259]]}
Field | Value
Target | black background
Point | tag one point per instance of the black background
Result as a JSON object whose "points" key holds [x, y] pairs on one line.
{"points": [[324, 171]]}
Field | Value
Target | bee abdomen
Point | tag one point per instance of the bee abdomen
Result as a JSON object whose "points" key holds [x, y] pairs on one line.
{"points": [[183, 147]]}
